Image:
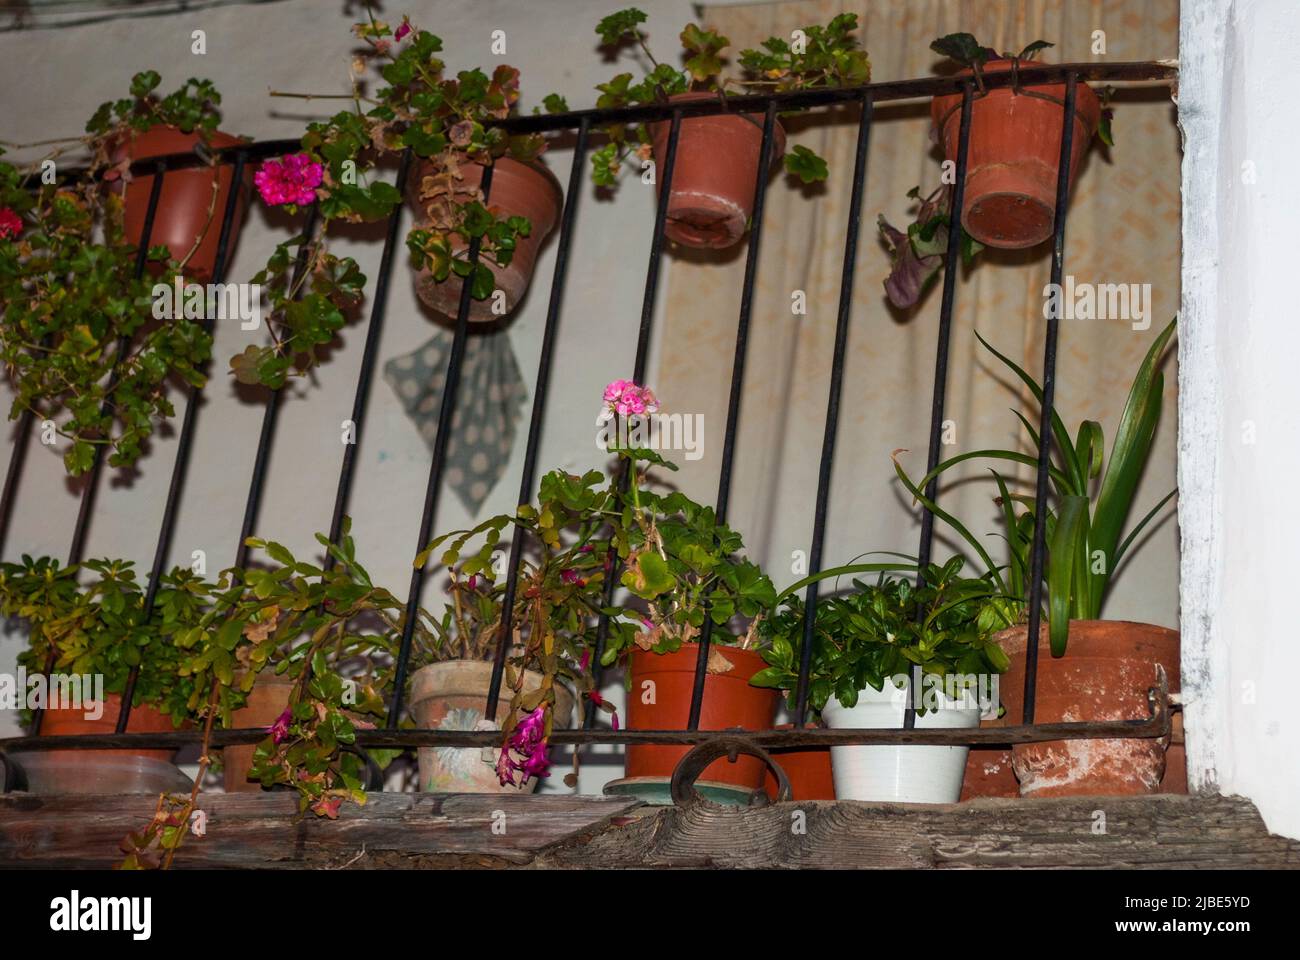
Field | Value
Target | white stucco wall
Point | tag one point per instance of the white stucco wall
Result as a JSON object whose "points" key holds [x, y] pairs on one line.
{"points": [[52, 80], [1238, 456]]}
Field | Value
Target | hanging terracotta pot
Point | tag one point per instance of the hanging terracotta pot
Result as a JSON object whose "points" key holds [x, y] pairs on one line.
{"points": [[519, 189], [1108, 667], [1014, 156], [453, 696], [807, 768], [266, 701], [186, 209], [660, 699], [714, 174], [102, 771]]}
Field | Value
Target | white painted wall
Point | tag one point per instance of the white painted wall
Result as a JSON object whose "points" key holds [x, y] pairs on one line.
{"points": [[1239, 395], [53, 80]]}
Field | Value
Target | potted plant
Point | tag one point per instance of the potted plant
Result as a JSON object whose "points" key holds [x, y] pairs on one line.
{"points": [[1110, 665], [715, 171], [75, 312], [142, 126], [869, 646], [83, 643], [1011, 167]]}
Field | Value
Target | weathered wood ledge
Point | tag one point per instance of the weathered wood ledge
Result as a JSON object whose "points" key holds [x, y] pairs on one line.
{"points": [[468, 831]]}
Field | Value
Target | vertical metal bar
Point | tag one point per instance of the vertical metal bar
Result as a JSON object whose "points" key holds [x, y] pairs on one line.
{"points": [[638, 374], [13, 472], [186, 438], [1039, 548], [271, 413], [369, 353], [82, 525], [952, 262], [737, 387], [833, 403], [539, 409], [446, 410]]}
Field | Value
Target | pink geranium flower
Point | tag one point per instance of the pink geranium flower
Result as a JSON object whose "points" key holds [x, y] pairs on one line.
{"points": [[627, 399], [10, 223], [292, 179], [279, 730], [402, 30]]}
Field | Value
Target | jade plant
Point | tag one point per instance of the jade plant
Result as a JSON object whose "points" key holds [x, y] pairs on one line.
{"points": [[77, 336], [1090, 498], [874, 633], [99, 628], [822, 56], [442, 119], [917, 253]]}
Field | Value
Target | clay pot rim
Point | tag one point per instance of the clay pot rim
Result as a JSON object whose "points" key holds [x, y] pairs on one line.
{"points": [[127, 138], [561, 687], [778, 131], [1087, 105], [1022, 630], [535, 165]]}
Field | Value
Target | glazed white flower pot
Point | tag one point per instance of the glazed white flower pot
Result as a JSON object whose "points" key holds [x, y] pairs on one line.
{"points": [[898, 774]]}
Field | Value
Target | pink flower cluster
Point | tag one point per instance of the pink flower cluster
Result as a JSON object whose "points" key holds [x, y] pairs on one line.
{"points": [[528, 741], [291, 179], [10, 223], [279, 730], [627, 399]]}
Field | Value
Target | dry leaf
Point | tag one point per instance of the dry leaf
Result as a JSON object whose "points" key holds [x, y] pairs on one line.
{"points": [[718, 662]]}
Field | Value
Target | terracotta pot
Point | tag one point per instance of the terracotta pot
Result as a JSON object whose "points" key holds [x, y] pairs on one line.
{"points": [[666, 680], [186, 196], [453, 696], [1015, 151], [1107, 669], [714, 174], [266, 701], [518, 190], [807, 768], [102, 771]]}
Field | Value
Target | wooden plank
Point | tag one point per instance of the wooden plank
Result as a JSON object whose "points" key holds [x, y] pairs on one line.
{"points": [[426, 830], [265, 830], [1155, 831]]}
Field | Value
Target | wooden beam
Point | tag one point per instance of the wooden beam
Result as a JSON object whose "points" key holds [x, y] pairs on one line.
{"points": [[476, 830]]}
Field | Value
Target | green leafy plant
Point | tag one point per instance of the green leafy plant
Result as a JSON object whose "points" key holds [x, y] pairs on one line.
{"points": [[78, 335], [879, 631], [443, 120], [99, 627], [824, 57], [1090, 499]]}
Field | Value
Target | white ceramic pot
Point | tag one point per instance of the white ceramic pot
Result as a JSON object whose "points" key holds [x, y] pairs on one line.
{"points": [[899, 774]]}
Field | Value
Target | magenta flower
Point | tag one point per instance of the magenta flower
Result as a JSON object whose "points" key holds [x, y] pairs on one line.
{"points": [[292, 179], [528, 742], [402, 30], [595, 697], [627, 399], [569, 575], [279, 730], [10, 223]]}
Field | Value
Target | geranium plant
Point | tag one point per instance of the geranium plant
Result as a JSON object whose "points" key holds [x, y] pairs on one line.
{"points": [[823, 56], [442, 119]]}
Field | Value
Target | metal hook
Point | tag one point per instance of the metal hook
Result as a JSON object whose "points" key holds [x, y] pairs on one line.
{"points": [[699, 757]]}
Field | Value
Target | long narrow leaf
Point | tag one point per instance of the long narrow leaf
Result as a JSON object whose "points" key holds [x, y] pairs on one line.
{"points": [[1133, 534], [1028, 460], [1069, 546]]}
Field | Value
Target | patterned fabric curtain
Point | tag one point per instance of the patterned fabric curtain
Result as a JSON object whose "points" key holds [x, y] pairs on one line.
{"points": [[1123, 228]]}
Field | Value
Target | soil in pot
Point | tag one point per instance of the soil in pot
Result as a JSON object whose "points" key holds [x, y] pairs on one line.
{"points": [[186, 209], [1014, 156], [102, 771], [453, 696], [714, 174], [660, 699], [266, 701], [518, 190], [898, 774], [1108, 667]]}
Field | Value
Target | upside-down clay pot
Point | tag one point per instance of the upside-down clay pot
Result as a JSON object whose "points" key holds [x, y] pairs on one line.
{"points": [[183, 206], [102, 771], [714, 174], [518, 189], [660, 699], [1107, 669], [266, 701], [1014, 156], [452, 695], [807, 768]]}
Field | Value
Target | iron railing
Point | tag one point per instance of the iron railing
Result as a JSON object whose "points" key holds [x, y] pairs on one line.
{"points": [[580, 123]]}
